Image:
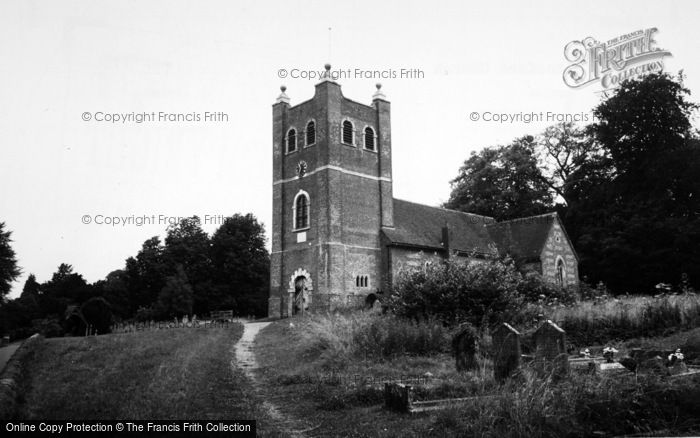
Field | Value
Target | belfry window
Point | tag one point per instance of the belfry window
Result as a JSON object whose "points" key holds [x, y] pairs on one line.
{"points": [[369, 138], [291, 140], [348, 132], [301, 211], [310, 133]]}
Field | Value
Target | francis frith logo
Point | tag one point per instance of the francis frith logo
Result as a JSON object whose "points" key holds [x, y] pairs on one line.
{"points": [[627, 56]]}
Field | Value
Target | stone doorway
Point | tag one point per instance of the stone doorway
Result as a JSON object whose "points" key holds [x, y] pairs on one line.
{"points": [[300, 296]]}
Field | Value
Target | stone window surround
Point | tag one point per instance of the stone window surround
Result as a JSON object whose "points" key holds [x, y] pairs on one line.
{"points": [[296, 141], [306, 145], [294, 211], [364, 139], [342, 133]]}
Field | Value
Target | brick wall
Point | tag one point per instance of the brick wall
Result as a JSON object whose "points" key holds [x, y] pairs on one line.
{"points": [[347, 198]]}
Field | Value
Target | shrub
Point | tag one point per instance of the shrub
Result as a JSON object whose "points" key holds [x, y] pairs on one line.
{"points": [[453, 292], [534, 288]]}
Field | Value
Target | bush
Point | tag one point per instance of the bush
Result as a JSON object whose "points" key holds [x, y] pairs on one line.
{"points": [[534, 288], [47, 327], [453, 292]]}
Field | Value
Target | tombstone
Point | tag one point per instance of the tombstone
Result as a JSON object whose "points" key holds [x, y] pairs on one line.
{"points": [[507, 351], [398, 397], [465, 348], [550, 349], [185, 320]]}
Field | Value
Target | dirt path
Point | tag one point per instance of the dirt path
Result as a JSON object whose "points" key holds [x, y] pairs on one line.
{"points": [[245, 360]]}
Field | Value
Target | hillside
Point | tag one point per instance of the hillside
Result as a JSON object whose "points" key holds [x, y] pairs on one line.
{"points": [[167, 374]]}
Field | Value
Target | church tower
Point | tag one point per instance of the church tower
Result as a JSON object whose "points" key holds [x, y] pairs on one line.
{"points": [[332, 196]]}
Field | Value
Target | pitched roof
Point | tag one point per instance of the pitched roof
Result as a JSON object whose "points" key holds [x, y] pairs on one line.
{"points": [[421, 226], [523, 238]]}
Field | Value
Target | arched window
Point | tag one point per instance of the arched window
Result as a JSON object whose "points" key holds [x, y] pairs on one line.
{"points": [[369, 138], [348, 132], [310, 133], [362, 281], [561, 272], [291, 140], [301, 211]]}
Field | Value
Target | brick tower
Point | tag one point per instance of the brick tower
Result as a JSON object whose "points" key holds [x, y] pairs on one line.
{"points": [[331, 197]]}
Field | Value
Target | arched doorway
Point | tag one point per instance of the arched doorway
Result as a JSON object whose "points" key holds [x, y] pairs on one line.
{"points": [[561, 272], [299, 293], [299, 305]]}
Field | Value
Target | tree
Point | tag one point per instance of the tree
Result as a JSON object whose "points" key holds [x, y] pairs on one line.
{"points": [[503, 182], [65, 288], [635, 217], [145, 274], [114, 289], [9, 271], [98, 314], [240, 266], [31, 287], [563, 150], [176, 297], [186, 244]]}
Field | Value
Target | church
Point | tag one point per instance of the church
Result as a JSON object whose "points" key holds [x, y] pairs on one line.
{"points": [[339, 237]]}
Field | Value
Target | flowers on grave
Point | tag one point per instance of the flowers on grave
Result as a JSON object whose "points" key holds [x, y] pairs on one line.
{"points": [[585, 353], [609, 353], [676, 357]]}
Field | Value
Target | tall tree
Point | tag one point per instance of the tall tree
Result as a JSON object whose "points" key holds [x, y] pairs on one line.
{"points": [[240, 266], [187, 244], [9, 271], [562, 151], [145, 274], [176, 297], [503, 182], [635, 221]]}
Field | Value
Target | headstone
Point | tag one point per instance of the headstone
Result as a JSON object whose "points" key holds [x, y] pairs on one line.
{"points": [[550, 349], [507, 351], [398, 397], [465, 348]]}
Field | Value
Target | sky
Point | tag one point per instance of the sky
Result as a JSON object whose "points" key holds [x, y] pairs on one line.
{"points": [[70, 71]]}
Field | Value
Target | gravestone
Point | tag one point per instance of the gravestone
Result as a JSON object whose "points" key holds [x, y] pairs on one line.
{"points": [[398, 397], [550, 349], [507, 351], [465, 348]]}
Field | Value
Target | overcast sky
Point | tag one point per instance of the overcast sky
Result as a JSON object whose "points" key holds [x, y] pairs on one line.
{"points": [[63, 61]]}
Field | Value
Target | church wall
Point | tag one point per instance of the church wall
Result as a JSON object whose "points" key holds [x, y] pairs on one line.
{"points": [[557, 245], [409, 259]]}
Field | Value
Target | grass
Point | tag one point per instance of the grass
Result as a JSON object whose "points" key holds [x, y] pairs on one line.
{"points": [[164, 374], [296, 357], [608, 319]]}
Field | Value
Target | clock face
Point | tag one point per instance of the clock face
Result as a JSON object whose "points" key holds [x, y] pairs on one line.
{"points": [[301, 168]]}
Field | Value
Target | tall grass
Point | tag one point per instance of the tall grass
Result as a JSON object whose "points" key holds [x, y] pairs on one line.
{"points": [[581, 405], [365, 335], [603, 320]]}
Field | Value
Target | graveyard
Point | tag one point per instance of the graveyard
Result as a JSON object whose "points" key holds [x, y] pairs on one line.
{"points": [[516, 380], [373, 373]]}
